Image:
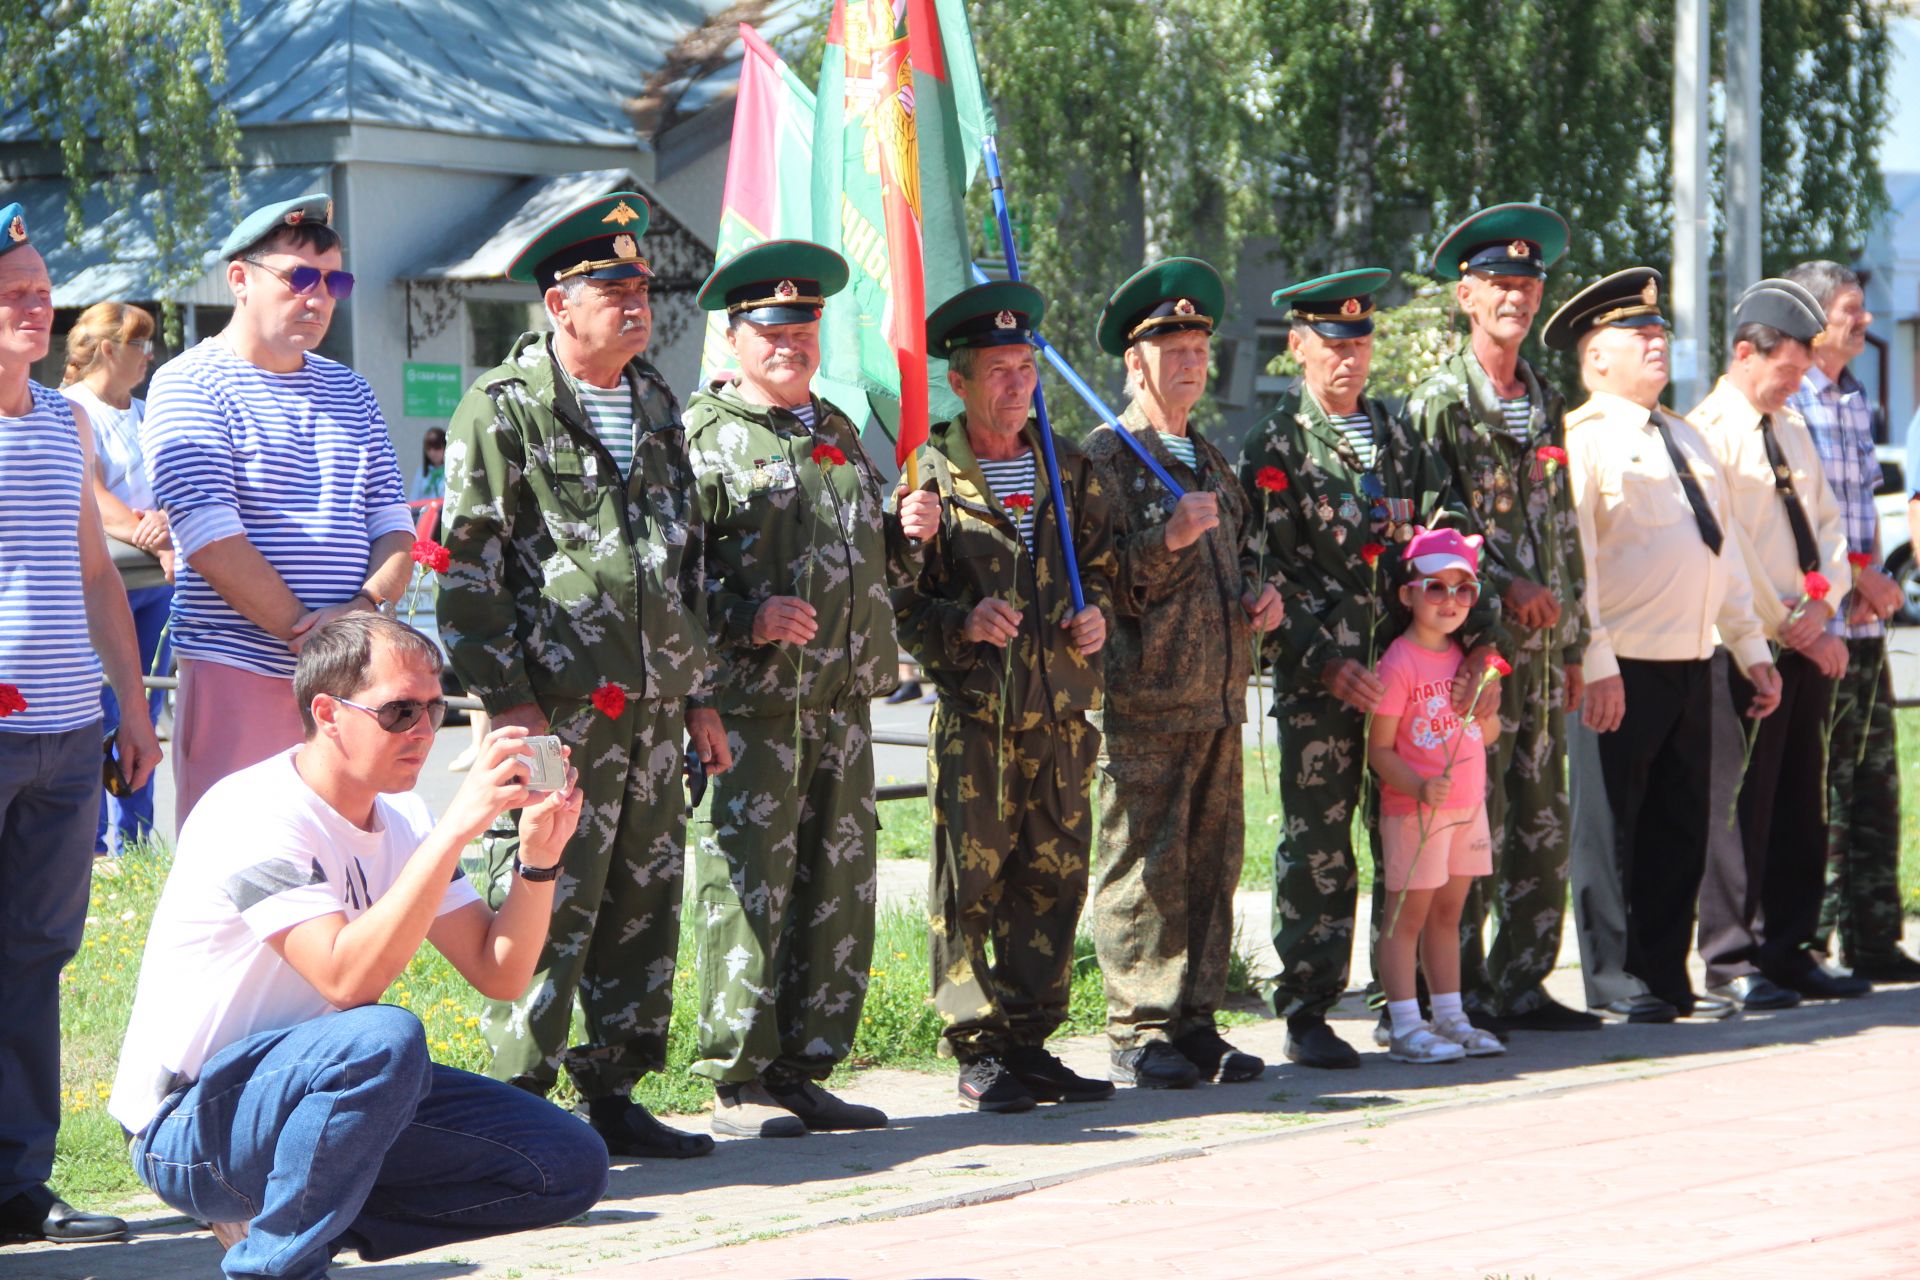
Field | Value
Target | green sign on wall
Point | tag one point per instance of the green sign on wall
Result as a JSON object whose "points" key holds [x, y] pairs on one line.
{"points": [[432, 390]]}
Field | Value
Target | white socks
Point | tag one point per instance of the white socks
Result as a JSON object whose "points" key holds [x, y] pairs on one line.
{"points": [[1405, 1015], [1446, 1008]]}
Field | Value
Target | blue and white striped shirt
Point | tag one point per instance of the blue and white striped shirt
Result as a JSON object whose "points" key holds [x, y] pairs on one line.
{"points": [[298, 463], [45, 651], [1842, 428]]}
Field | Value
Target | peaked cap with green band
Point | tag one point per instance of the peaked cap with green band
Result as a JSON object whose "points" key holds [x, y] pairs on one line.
{"points": [[776, 282], [267, 219], [1336, 306], [1002, 313], [599, 240], [1170, 296], [1503, 240]]}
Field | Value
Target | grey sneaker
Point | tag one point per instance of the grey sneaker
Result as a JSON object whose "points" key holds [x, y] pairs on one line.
{"points": [[1423, 1047], [749, 1111]]}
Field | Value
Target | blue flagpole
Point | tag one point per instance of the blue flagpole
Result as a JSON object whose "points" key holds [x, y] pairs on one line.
{"points": [[990, 152], [1095, 403]]}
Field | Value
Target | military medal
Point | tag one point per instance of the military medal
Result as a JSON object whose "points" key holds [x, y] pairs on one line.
{"points": [[1324, 509], [1503, 503], [1502, 480]]}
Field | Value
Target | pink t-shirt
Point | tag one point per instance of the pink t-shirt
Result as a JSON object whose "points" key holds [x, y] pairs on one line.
{"points": [[1419, 685]]}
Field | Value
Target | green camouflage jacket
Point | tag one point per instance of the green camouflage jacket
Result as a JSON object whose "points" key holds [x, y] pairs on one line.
{"points": [[1524, 511], [780, 524], [1181, 648], [1310, 535], [562, 579], [977, 553]]}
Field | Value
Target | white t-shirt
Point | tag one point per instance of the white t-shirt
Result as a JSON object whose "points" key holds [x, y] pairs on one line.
{"points": [[260, 854], [116, 445]]}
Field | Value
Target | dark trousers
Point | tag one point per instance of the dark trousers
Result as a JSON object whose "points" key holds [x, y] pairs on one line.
{"points": [[1759, 911], [49, 794], [1860, 921], [1633, 896]]}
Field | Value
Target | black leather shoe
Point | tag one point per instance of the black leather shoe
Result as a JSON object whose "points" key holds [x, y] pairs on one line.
{"points": [[987, 1085], [1312, 1043], [1050, 1080], [1819, 984], [1552, 1016], [1640, 1008], [629, 1129], [1154, 1065], [1752, 991], [1898, 967], [38, 1214], [1704, 1008], [1215, 1059]]}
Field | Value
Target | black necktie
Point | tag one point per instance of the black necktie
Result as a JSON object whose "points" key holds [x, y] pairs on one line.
{"points": [[1803, 543], [1702, 514]]}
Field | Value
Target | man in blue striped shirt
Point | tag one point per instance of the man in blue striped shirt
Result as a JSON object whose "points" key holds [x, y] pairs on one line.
{"points": [[284, 493], [58, 591]]}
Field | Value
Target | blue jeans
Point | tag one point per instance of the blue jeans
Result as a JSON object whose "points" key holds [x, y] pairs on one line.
{"points": [[49, 785], [123, 822], [342, 1132]]}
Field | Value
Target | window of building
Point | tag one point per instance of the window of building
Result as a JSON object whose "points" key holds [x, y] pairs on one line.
{"points": [[493, 327]]}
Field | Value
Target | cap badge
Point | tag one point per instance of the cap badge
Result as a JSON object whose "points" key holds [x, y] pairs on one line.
{"points": [[1351, 307], [786, 289], [328, 216], [17, 230], [624, 248], [622, 214], [1651, 294], [296, 216], [1519, 249], [1006, 320], [1184, 307]]}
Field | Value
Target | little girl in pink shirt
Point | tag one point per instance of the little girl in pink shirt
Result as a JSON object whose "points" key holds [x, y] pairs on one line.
{"points": [[1433, 810]]}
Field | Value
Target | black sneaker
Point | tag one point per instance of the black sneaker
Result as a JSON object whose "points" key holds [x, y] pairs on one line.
{"points": [[1154, 1065], [1050, 1080], [987, 1085], [1215, 1059], [1312, 1043], [629, 1129]]}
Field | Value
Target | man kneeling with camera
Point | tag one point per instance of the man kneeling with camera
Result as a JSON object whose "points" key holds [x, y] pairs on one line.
{"points": [[267, 1091]]}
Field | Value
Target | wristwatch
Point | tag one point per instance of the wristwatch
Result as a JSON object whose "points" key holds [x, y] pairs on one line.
{"points": [[378, 604], [535, 875]]}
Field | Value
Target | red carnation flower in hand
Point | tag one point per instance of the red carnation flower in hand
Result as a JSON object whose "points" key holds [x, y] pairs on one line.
{"points": [[1018, 501], [610, 700], [1817, 586], [10, 701], [1271, 479], [1371, 553], [431, 554], [828, 455], [1499, 665], [1859, 559], [1552, 455]]}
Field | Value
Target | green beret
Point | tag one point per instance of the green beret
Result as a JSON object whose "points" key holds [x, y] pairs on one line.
{"points": [[599, 240], [1336, 306], [263, 222], [1167, 297], [1504, 240], [998, 314], [777, 282], [1783, 305], [1626, 299], [13, 228]]}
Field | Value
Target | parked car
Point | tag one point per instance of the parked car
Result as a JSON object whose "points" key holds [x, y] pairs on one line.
{"points": [[1896, 543]]}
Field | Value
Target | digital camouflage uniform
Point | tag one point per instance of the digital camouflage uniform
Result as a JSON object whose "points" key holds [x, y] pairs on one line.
{"points": [[1308, 540], [1861, 909], [1012, 823], [785, 882], [1172, 819], [1526, 515], [563, 580]]}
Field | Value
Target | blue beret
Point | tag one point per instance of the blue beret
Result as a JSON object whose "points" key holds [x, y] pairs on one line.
{"points": [[13, 228], [262, 222]]}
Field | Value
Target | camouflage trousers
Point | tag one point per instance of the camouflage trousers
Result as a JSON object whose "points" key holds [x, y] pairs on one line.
{"points": [[1315, 885], [1172, 834], [616, 909], [1862, 901], [1014, 875], [784, 897], [1530, 813]]}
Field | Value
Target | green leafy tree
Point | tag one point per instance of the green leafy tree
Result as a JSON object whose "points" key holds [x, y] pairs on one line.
{"points": [[127, 90]]}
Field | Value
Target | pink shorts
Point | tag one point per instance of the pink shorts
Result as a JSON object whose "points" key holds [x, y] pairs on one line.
{"points": [[224, 719], [1458, 843]]}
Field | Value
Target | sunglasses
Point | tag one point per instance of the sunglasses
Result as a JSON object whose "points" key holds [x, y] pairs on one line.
{"points": [[303, 280], [401, 714], [1437, 593], [143, 345]]}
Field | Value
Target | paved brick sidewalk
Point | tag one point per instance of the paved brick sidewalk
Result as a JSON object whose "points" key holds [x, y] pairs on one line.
{"points": [[1801, 1163]]}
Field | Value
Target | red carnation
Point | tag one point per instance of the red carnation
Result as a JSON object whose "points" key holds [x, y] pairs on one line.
{"points": [[431, 554], [828, 455], [1371, 553], [10, 701], [1018, 501], [1817, 586], [1272, 479], [1552, 454], [1859, 559], [1499, 665], [610, 700]]}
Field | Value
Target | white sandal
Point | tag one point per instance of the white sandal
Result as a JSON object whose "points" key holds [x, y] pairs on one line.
{"points": [[1421, 1045], [1476, 1042]]}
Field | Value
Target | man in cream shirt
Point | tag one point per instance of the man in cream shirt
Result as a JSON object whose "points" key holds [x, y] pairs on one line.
{"points": [[1662, 573], [1760, 900]]}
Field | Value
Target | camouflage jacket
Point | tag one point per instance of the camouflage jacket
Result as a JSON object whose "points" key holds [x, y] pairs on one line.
{"points": [[780, 524], [563, 579], [1310, 535], [977, 553], [1180, 652], [1525, 512]]}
